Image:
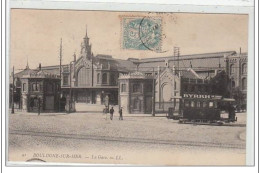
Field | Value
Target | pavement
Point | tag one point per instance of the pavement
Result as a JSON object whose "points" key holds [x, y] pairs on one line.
{"points": [[137, 135]]}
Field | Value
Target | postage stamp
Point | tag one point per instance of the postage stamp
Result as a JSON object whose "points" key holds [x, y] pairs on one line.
{"points": [[142, 33]]}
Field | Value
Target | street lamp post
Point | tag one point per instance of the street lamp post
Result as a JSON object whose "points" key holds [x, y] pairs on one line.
{"points": [[70, 90]]}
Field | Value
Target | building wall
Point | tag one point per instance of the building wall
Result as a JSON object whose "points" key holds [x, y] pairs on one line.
{"points": [[167, 90], [236, 67], [136, 95], [44, 90]]}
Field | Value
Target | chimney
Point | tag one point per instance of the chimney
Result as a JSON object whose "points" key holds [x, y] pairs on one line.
{"points": [[40, 66]]}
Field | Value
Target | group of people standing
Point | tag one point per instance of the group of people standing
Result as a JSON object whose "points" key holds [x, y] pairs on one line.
{"points": [[111, 111]]}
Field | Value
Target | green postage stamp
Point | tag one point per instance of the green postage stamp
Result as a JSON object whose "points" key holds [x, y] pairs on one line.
{"points": [[142, 33]]}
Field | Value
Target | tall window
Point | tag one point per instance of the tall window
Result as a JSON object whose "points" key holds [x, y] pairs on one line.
{"points": [[232, 69], [192, 104], [123, 87], [98, 78], [204, 104], [104, 78], [244, 84], [24, 86], [136, 88], [35, 86], [137, 104], [84, 77], [244, 68], [65, 80], [233, 84], [198, 104]]}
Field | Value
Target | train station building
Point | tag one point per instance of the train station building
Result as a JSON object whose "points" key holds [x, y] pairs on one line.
{"points": [[89, 78]]}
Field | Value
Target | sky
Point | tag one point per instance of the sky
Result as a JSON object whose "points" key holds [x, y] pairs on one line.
{"points": [[35, 34]]}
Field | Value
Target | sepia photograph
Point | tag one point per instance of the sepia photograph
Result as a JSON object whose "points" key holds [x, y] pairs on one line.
{"points": [[127, 88]]}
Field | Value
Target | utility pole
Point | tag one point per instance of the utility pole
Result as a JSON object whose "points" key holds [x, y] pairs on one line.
{"points": [[153, 97], [176, 54], [70, 101], [60, 73], [13, 93]]}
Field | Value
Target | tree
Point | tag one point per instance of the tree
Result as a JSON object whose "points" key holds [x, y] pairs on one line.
{"points": [[239, 97], [220, 84]]}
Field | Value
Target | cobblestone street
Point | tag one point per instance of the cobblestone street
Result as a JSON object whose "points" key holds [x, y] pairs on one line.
{"points": [[94, 138]]}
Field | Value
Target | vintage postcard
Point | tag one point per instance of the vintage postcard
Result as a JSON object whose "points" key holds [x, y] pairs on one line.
{"points": [[127, 88]]}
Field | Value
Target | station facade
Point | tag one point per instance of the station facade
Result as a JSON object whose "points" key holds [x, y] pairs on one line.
{"points": [[89, 78]]}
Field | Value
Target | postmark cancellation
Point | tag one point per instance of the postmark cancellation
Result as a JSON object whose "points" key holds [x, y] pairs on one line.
{"points": [[141, 33]]}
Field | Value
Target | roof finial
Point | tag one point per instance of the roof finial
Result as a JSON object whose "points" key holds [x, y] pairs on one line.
{"points": [[74, 55], [27, 65], [86, 31]]}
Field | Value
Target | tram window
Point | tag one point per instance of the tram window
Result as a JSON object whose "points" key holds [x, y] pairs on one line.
{"points": [[198, 104], [211, 104], [215, 104], [192, 104], [204, 104], [187, 103]]}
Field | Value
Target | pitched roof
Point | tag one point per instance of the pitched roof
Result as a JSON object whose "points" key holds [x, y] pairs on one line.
{"points": [[190, 73], [115, 64], [184, 63], [189, 57], [26, 71]]}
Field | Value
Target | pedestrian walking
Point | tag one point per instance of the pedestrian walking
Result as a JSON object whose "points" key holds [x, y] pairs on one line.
{"points": [[111, 113], [121, 113], [105, 111]]}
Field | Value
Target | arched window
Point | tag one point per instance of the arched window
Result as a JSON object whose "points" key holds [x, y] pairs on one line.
{"points": [[232, 69], [84, 77], [244, 84], [244, 68], [98, 78], [104, 78], [233, 84]]}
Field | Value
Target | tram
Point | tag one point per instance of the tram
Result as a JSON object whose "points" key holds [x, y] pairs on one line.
{"points": [[206, 109], [200, 102]]}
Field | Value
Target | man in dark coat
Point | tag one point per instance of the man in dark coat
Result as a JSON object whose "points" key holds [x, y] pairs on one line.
{"points": [[111, 111], [121, 114], [231, 112]]}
